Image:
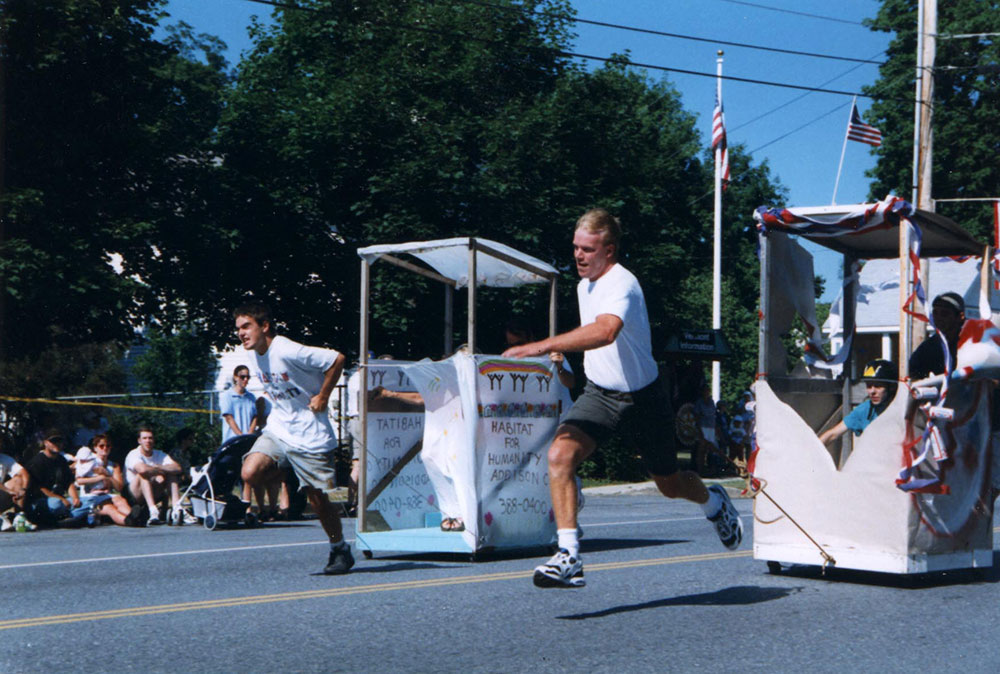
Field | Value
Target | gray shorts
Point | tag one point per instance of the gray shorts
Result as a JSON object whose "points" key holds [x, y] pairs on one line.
{"points": [[644, 417], [313, 469]]}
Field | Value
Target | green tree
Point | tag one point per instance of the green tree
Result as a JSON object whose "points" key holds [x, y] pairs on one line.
{"points": [[105, 154], [181, 361], [84, 369], [966, 107]]}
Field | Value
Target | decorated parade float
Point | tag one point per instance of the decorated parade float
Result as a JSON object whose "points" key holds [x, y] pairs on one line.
{"points": [[913, 492], [471, 451]]}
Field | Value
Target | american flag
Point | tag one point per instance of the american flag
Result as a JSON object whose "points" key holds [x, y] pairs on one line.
{"points": [[719, 138], [861, 132]]}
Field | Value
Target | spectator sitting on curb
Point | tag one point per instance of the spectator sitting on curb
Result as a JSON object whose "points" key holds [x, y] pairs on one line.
{"points": [[151, 473], [51, 491], [100, 482], [13, 484]]}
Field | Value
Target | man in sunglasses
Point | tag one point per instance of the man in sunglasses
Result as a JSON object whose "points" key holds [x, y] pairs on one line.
{"points": [[238, 406]]}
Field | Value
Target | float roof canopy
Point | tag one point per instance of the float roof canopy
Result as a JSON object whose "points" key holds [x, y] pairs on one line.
{"points": [[497, 265], [941, 236]]}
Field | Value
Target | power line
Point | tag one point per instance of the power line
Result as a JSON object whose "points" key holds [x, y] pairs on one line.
{"points": [[678, 36], [794, 100], [799, 128], [590, 57], [792, 11]]}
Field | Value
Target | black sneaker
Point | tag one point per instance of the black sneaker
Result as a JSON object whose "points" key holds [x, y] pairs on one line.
{"points": [[340, 562], [727, 520], [562, 570]]}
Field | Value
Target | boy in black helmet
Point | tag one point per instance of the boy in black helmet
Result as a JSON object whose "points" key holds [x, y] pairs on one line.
{"points": [[881, 378]]}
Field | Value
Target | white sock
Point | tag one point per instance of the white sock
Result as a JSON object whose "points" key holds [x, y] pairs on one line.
{"points": [[342, 543], [713, 505], [569, 541], [154, 513]]}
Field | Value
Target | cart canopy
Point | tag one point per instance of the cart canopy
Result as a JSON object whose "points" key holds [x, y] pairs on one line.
{"points": [[497, 265], [870, 231]]}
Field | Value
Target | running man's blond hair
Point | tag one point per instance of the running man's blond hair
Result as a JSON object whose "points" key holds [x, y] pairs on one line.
{"points": [[600, 221]]}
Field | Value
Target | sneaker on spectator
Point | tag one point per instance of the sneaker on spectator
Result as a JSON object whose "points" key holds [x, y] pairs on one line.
{"points": [[727, 521], [340, 562], [6, 522], [562, 570], [154, 517], [189, 518]]}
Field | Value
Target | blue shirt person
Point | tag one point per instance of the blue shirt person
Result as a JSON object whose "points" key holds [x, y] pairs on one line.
{"points": [[238, 406], [881, 379]]}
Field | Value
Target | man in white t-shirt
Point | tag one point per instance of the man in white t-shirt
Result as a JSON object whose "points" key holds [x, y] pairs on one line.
{"points": [[623, 393], [298, 380], [150, 473]]}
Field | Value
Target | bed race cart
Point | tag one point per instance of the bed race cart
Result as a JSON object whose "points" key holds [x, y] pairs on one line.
{"points": [[476, 453], [912, 493]]}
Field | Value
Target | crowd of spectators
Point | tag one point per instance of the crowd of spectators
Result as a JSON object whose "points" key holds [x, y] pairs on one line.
{"points": [[62, 485]]}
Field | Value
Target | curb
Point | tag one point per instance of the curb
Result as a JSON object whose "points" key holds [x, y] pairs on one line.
{"points": [[734, 487]]}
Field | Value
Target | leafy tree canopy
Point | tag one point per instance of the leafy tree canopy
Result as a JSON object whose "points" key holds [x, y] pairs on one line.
{"points": [[966, 107]]}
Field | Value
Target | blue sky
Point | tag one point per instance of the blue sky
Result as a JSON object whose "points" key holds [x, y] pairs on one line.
{"points": [[804, 159]]}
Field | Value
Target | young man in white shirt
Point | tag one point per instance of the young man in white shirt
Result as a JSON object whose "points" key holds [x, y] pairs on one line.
{"points": [[623, 393], [298, 380], [149, 473]]}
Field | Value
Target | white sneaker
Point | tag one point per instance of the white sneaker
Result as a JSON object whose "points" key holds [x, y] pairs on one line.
{"points": [[189, 518], [154, 517], [562, 570], [727, 521], [5, 523]]}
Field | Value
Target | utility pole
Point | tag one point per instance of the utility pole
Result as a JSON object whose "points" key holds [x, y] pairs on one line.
{"points": [[926, 139], [914, 333]]}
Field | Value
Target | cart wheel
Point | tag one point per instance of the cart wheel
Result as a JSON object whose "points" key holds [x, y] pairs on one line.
{"points": [[250, 519], [210, 522], [774, 568], [368, 554], [176, 517]]}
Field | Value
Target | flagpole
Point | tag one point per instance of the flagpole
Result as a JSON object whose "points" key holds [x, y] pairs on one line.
{"points": [[717, 243], [836, 184]]}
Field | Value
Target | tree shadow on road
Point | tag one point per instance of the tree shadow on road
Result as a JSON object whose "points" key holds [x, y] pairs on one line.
{"points": [[740, 595]]}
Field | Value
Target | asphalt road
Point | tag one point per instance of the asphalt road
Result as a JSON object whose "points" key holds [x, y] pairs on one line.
{"points": [[662, 595]]}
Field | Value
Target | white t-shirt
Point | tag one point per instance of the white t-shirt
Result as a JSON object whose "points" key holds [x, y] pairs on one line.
{"points": [[292, 374], [135, 457], [8, 467], [627, 363]]}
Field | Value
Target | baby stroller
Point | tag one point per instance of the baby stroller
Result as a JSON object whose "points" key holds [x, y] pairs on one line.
{"points": [[211, 491]]}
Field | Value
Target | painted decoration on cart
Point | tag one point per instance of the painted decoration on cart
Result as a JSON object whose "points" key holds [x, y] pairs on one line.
{"points": [[517, 412], [391, 434]]}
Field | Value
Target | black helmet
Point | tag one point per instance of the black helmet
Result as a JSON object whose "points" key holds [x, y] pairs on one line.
{"points": [[882, 371]]}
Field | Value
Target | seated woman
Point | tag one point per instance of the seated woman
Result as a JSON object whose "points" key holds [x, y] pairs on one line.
{"points": [[99, 481], [881, 379]]}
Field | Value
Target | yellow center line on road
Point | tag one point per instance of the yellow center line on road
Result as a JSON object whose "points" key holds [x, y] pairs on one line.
{"points": [[339, 592]]}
